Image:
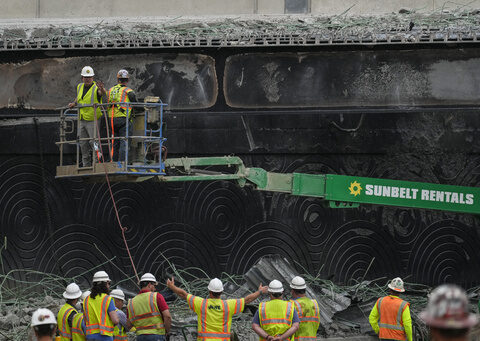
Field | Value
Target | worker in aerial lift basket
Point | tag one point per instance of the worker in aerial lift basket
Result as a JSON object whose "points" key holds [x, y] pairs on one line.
{"points": [[148, 312], [214, 314], [390, 316], [89, 92], [68, 311], [447, 314], [276, 319], [44, 324], [118, 114], [307, 309]]}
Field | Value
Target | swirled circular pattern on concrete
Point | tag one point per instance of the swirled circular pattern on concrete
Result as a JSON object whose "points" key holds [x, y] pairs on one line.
{"points": [[446, 252], [313, 220], [267, 238], [180, 245], [351, 248], [222, 210], [75, 250], [24, 219]]}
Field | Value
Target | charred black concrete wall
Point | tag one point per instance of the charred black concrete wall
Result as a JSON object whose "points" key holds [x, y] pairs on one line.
{"points": [[407, 115]]}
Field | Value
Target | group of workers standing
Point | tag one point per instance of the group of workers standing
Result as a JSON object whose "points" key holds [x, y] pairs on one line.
{"points": [[99, 316], [90, 96]]}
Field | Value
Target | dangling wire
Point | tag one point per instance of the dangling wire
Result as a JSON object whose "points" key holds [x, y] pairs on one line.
{"points": [[122, 228]]}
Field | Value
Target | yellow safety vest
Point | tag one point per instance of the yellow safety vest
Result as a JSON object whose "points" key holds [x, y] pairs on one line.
{"points": [[214, 316], [118, 94], [309, 315], [77, 331], [62, 321], [276, 316], [97, 320], [90, 98], [144, 314], [119, 333]]}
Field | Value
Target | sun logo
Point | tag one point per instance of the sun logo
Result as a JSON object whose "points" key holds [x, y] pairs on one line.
{"points": [[355, 188]]}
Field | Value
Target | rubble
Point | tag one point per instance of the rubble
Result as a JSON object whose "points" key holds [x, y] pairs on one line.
{"points": [[344, 309], [407, 26]]}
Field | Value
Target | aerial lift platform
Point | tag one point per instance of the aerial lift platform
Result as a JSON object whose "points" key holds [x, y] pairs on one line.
{"points": [[147, 160]]}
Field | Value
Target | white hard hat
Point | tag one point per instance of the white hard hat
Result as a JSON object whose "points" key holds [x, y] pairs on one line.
{"points": [[215, 285], [100, 276], [43, 316], [448, 308], [87, 71], [123, 74], [298, 283], [72, 292], [117, 293], [148, 277], [86, 294], [275, 286], [396, 284]]}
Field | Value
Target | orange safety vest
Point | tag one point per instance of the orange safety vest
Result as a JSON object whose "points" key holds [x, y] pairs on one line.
{"points": [[97, 320], [390, 311]]}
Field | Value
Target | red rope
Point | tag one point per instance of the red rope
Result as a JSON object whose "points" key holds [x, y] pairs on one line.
{"points": [[122, 228]]}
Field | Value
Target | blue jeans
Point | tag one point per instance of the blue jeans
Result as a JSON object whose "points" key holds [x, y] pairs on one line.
{"points": [[150, 337]]}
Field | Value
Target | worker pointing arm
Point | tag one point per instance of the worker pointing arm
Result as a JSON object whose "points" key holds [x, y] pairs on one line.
{"points": [[214, 314]]}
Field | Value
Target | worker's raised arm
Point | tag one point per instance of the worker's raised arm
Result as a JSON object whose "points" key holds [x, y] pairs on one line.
{"points": [[256, 294], [180, 292]]}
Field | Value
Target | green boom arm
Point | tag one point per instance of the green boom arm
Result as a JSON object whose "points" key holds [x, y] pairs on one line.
{"points": [[341, 189], [338, 190]]}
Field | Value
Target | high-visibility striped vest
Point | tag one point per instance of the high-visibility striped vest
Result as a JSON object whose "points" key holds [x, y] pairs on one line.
{"points": [[144, 314], [118, 94], [276, 316], [390, 321], [62, 321], [309, 315], [214, 316], [90, 98], [119, 333], [77, 331], [97, 320]]}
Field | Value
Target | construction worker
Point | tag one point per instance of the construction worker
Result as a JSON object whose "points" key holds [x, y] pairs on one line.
{"points": [[119, 113], [78, 323], [447, 314], [44, 324], [275, 319], [307, 309], [121, 329], [390, 316], [100, 312], [214, 314], [89, 93], [148, 312], [68, 311]]}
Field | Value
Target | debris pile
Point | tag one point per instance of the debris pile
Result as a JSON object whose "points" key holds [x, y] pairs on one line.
{"points": [[344, 309], [407, 26]]}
